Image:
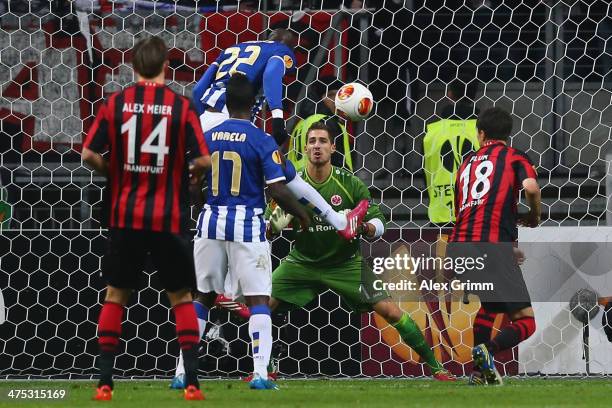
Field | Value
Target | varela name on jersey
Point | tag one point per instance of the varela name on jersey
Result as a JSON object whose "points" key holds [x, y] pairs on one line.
{"points": [[231, 137]]}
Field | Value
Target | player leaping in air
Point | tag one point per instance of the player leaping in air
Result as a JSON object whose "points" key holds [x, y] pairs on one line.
{"points": [[321, 260], [230, 246], [265, 63]]}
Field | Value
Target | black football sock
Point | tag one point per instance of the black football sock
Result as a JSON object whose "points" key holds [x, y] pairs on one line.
{"points": [[189, 339], [483, 326], [109, 331], [106, 363], [190, 359], [512, 334]]}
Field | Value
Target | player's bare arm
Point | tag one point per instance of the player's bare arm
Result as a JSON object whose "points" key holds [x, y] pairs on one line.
{"points": [[95, 161], [534, 201], [281, 194], [198, 166], [196, 178]]}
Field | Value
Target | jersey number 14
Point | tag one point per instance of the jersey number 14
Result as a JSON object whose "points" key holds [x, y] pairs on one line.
{"points": [[159, 133]]}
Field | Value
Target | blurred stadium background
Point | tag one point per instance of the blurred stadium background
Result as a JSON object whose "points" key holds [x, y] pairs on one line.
{"points": [[547, 62]]}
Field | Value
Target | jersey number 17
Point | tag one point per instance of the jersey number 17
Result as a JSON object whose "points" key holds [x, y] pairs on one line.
{"points": [[236, 171]]}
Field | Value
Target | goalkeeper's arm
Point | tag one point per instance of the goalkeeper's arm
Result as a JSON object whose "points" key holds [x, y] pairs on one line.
{"points": [[373, 228], [374, 222], [278, 219]]}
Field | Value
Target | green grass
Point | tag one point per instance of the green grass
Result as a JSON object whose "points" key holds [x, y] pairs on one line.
{"points": [[334, 393]]}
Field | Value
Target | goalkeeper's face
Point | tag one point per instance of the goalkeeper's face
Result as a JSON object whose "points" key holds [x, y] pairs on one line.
{"points": [[319, 147]]}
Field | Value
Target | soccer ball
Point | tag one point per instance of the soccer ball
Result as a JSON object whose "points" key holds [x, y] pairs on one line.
{"points": [[354, 101]]}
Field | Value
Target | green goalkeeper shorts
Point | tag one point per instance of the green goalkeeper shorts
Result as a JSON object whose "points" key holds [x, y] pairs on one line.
{"points": [[296, 284]]}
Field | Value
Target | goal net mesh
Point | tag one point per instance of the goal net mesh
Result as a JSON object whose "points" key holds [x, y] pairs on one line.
{"points": [[548, 63]]}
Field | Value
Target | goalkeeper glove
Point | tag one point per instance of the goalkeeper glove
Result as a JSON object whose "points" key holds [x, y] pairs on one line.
{"points": [[278, 131], [279, 220]]}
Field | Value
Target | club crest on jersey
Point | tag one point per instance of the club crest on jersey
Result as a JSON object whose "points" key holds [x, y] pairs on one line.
{"points": [[336, 200], [276, 158], [288, 61]]}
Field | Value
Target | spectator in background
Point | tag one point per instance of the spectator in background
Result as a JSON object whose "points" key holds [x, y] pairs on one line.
{"points": [[462, 96], [324, 111], [446, 143]]}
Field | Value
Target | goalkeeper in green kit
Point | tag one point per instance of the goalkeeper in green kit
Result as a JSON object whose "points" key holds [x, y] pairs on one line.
{"points": [[321, 259]]}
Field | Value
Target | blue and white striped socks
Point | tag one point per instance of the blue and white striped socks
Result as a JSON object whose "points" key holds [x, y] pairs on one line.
{"points": [[260, 330]]}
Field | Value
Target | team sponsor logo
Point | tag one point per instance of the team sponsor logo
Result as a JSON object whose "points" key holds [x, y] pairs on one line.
{"points": [[345, 92], [276, 157], [365, 106], [288, 61], [336, 200]]}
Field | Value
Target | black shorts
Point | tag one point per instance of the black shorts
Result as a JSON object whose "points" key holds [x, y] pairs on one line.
{"points": [[504, 307], [494, 275], [126, 255]]}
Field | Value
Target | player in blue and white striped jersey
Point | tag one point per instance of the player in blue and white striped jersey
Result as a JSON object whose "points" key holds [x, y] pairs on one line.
{"points": [[231, 254], [243, 157], [265, 63]]}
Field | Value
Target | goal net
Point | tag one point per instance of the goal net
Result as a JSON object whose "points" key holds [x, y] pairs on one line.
{"points": [[548, 63]]}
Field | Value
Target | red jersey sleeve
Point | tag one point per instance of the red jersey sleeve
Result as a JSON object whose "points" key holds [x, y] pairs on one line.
{"points": [[97, 136], [196, 144], [523, 167]]}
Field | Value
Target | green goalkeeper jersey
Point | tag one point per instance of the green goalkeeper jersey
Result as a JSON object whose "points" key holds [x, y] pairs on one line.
{"points": [[320, 244]]}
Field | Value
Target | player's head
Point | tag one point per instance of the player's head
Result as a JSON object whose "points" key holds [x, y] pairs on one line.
{"points": [[459, 90], [494, 124], [239, 96], [319, 144], [150, 57], [284, 36]]}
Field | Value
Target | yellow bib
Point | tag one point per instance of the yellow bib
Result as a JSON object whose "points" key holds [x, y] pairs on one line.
{"points": [[446, 142]]}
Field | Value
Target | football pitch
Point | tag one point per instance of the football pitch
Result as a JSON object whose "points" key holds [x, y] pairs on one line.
{"points": [[332, 393]]}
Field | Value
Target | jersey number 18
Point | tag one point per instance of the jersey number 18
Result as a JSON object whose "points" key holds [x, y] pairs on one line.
{"points": [[481, 185]]}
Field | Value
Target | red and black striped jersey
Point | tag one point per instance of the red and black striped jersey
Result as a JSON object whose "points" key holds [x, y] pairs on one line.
{"points": [[150, 133], [487, 189]]}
